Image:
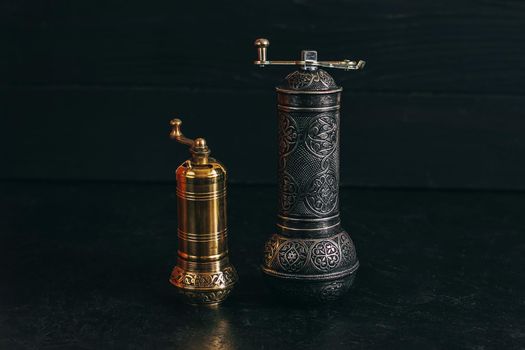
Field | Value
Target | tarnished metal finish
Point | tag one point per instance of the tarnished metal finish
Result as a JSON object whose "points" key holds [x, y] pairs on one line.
{"points": [[203, 274], [310, 256]]}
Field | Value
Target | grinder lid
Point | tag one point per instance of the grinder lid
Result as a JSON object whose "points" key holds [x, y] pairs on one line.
{"points": [[308, 80]]}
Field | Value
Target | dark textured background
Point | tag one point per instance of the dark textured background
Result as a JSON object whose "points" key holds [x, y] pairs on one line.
{"points": [[87, 88], [86, 93]]}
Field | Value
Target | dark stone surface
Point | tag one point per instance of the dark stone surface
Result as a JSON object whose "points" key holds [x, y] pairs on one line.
{"points": [[86, 265]]}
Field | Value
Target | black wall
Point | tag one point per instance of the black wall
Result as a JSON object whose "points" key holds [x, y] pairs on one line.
{"points": [[87, 88]]}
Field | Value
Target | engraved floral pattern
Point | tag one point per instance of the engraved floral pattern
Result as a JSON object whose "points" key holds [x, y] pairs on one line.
{"points": [[288, 134], [288, 192], [347, 248], [292, 256], [219, 279], [310, 80], [322, 194], [321, 138], [270, 249], [325, 255]]}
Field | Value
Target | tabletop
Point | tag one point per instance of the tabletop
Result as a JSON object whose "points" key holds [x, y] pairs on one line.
{"points": [[85, 265]]}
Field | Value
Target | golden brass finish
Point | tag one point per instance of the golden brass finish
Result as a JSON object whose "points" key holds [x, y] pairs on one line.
{"points": [[203, 274], [176, 133], [198, 147]]}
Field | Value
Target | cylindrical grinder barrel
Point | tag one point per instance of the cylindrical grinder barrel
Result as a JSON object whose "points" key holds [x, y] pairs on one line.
{"points": [[310, 256], [203, 273]]}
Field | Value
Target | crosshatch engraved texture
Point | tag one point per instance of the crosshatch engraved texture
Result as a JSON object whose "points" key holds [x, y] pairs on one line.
{"points": [[308, 170]]}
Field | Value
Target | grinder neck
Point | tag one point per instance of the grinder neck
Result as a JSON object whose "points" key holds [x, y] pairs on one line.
{"points": [[309, 58], [200, 152]]}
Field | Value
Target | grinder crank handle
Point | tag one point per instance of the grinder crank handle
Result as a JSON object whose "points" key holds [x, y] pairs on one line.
{"points": [[308, 59], [198, 147]]}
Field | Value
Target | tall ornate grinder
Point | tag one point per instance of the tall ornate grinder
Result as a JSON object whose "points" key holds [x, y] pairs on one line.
{"points": [[310, 256], [203, 274]]}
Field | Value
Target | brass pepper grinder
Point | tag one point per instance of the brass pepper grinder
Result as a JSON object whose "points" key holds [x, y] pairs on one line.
{"points": [[203, 274], [310, 257]]}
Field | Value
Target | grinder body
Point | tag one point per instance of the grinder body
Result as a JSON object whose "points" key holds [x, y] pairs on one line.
{"points": [[310, 256], [203, 274]]}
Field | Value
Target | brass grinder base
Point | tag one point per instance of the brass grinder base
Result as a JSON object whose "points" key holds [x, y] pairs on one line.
{"points": [[203, 283]]}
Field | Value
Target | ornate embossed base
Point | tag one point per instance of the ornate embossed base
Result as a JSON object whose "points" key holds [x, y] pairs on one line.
{"points": [[204, 288], [311, 269]]}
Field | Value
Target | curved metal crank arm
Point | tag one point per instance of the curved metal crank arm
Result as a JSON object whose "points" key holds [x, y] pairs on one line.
{"points": [[308, 59]]}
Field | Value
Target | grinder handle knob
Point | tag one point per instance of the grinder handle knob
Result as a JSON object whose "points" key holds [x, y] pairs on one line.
{"points": [[198, 147], [262, 49], [176, 133]]}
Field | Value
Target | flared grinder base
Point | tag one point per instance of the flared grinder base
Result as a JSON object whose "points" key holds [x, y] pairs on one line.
{"points": [[307, 269], [203, 283]]}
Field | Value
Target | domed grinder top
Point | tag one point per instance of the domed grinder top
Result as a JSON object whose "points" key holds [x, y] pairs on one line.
{"points": [[310, 256]]}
